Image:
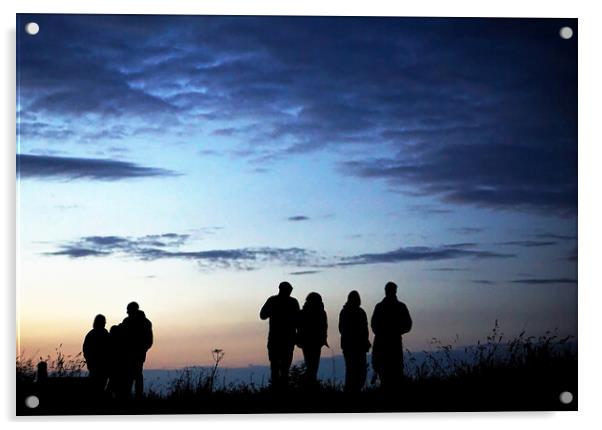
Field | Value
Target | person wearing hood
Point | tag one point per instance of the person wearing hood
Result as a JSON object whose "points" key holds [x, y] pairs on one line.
{"points": [[312, 334], [355, 342], [390, 320], [138, 333]]}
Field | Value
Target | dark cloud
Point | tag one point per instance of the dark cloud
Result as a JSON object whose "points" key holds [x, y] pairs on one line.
{"points": [[483, 282], [78, 252], [240, 259], [298, 218], [554, 236], [471, 111], [421, 253], [528, 243], [466, 230], [44, 166], [355, 236], [169, 246], [82, 72], [479, 174], [304, 272], [448, 269], [228, 131], [107, 245], [538, 281], [429, 210], [461, 245], [43, 130], [176, 246]]}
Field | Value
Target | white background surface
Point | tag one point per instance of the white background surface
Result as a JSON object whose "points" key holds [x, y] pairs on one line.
{"points": [[590, 214]]}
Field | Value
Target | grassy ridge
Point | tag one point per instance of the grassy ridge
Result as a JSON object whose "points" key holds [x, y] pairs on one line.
{"points": [[524, 373]]}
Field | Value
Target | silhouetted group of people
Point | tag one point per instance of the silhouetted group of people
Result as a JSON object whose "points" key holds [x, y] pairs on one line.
{"points": [[307, 328], [115, 359]]}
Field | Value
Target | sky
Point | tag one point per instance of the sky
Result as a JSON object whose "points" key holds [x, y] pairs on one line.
{"points": [[192, 163]]}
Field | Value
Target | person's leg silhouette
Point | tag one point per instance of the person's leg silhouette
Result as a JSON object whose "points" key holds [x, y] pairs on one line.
{"points": [[311, 355]]}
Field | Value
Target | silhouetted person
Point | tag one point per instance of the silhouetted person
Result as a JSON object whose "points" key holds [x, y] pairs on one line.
{"points": [[96, 353], [355, 342], [283, 312], [390, 320], [119, 363], [138, 332], [311, 335]]}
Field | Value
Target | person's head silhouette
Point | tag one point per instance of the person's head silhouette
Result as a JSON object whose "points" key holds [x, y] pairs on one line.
{"points": [[285, 289], [313, 301], [391, 289], [132, 308], [99, 322], [353, 299]]}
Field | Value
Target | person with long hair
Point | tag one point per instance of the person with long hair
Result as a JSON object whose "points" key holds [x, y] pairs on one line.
{"points": [[312, 335], [355, 342], [96, 354]]}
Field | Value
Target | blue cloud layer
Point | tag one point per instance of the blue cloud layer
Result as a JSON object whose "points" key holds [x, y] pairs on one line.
{"points": [[170, 246], [475, 112]]}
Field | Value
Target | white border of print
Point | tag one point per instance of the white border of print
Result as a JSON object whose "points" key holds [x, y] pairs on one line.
{"points": [[590, 214]]}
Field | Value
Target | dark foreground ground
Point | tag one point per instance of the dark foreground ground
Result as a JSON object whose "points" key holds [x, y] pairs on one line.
{"points": [[499, 393], [525, 374]]}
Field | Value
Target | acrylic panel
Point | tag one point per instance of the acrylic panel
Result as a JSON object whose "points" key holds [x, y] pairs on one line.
{"points": [[280, 214]]}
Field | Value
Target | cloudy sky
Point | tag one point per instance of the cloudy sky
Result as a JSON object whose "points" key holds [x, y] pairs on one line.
{"points": [[193, 163]]}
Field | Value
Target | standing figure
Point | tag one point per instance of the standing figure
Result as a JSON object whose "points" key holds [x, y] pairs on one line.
{"points": [[138, 334], [283, 313], [118, 363], [390, 320], [355, 342], [96, 354], [311, 335]]}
